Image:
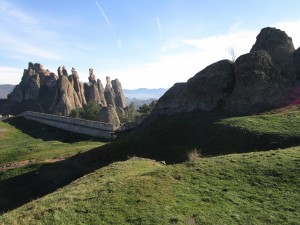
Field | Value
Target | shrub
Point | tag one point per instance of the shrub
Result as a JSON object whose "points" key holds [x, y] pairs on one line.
{"points": [[194, 155]]}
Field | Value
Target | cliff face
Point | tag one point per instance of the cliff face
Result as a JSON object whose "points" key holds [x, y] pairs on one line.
{"points": [[43, 91], [256, 81]]}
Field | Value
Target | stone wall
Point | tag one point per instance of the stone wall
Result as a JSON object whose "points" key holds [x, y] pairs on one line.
{"points": [[92, 128]]}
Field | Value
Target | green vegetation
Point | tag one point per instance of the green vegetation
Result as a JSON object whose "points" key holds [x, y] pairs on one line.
{"points": [[252, 188], [30, 140], [145, 109], [89, 111], [207, 187], [36, 159], [10, 173], [170, 139], [129, 114]]}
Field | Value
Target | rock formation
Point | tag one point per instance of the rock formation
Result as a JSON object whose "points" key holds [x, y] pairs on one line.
{"points": [[109, 115], [275, 42], [67, 97], [206, 91], [35, 91], [255, 82], [94, 90], [109, 93], [78, 86], [43, 91], [101, 93], [259, 84], [120, 101]]}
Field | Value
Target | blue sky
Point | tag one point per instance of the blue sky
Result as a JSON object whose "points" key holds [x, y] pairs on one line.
{"points": [[144, 43]]}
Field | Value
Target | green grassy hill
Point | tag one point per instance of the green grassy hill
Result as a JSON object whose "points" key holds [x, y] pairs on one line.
{"points": [[252, 188], [36, 159], [259, 187], [23, 139], [170, 139]]}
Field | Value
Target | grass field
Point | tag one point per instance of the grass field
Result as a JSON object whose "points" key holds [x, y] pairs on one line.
{"points": [[21, 139], [249, 188], [257, 184], [170, 139], [34, 160]]}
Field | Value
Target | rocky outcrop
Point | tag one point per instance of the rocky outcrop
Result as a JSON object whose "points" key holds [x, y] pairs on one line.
{"points": [[109, 93], [35, 90], [94, 90], [291, 67], [120, 101], [78, 86], [16, 95], [43, 91], [257, 81], [259, 84], [275, 42], [109, 115], [67, 97], [101, 93], [206, 91]]}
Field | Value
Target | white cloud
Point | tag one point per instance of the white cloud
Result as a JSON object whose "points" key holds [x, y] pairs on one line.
{"points": [[23, 49], [169, 69], [240, 41], [292, 30], [9, 10], [24, 37], [10, 75]]}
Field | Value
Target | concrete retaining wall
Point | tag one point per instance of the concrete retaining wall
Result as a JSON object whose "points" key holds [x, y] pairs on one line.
{"points": [[92, 128]]}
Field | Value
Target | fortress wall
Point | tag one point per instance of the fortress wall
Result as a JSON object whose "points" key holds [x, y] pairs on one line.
{"points": [[87, 127]]}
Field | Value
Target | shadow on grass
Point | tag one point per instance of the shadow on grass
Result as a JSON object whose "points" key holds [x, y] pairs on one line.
{"points": [[47, 133], [168, 139], [24, 188], [171, 139]]}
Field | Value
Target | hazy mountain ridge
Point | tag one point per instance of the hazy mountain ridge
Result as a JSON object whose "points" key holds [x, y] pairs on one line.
{"points": [[144, 93], [5, 89]]}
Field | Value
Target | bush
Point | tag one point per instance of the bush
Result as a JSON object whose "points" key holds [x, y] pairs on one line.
{"points": [[194, 155], [88, 112]]}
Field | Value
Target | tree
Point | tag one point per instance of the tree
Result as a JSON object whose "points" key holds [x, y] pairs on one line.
{"points": [[131, 113], [147, 108], [232, 54], [88, 112], [76, 113], [91, 111]]}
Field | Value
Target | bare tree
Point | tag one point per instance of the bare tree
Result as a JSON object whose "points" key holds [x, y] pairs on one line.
{"points": [[232, 54]]}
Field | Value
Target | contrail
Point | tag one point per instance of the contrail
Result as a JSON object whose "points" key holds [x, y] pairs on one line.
{"points": [[159, 27], [105, 17]]}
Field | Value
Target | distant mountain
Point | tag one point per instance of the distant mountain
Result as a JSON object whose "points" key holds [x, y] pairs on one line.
{"points": [[139, 102], [144, 93], [5, 89]]}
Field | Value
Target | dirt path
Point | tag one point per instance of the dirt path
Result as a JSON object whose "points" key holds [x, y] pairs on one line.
{"points": [[14, 165]]}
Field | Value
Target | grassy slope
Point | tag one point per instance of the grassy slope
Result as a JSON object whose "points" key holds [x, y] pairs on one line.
{"points": [[169, 139], [21, 139], [252, 188], [27, 147], [213, 133]]}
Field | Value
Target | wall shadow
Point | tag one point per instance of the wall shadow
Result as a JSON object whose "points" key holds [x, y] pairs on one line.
{"points": [[47, 133]]}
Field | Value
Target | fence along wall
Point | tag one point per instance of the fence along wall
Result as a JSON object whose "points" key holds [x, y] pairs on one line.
{"points": [[92, 128]]}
